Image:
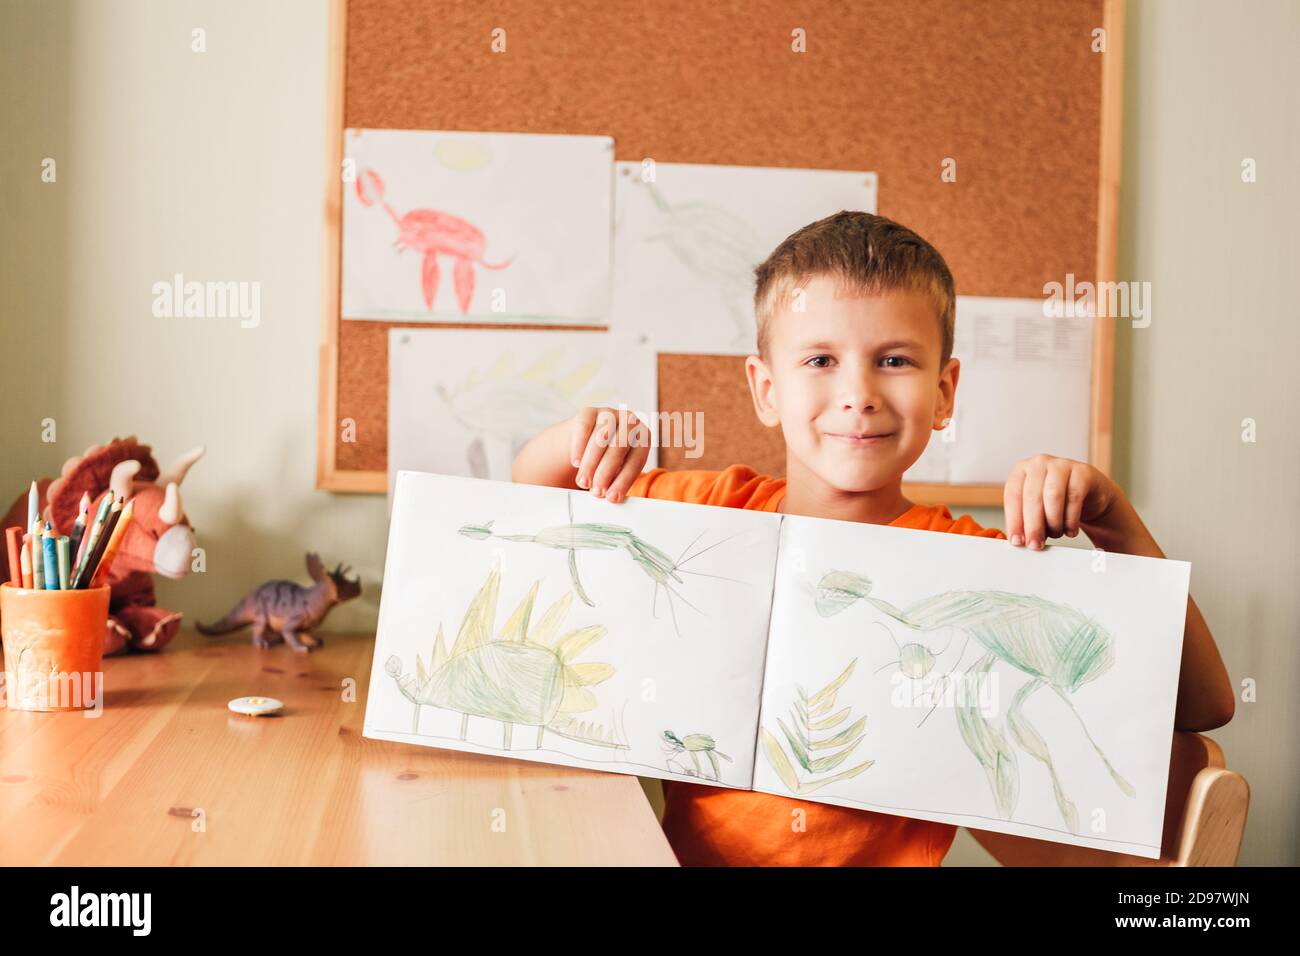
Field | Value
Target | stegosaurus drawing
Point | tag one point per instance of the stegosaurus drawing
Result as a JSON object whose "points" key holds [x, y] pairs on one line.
{"points": [[524, 675]]}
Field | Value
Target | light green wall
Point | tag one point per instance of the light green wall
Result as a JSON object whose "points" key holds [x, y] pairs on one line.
{"points": [[210, 165]]}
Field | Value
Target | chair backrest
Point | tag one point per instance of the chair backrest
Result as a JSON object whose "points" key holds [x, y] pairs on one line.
{"points": [[1205, 817]]}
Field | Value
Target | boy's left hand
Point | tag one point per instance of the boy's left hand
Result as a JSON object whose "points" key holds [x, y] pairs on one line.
{"points": [[1047, 497]]}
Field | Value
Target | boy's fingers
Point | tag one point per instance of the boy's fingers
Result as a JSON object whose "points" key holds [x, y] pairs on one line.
{"points": [[622, 442], [1012, 506], [610, 465], [1056, 479], [637, 453], [583, 422], [1075, 495], [1031, 496], [595, 449]]}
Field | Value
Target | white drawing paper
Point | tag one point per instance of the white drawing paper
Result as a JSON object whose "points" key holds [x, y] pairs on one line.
{"points": [[651, 641], [686, 244], [466, 401], [1025, 388], [487, 227], [1001, 689], [926, 675]]}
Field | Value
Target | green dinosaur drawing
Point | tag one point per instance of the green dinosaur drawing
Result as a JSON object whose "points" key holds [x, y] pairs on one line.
{"points": [[593, 536], [527, 674], [693, 745], [1056, 645]]}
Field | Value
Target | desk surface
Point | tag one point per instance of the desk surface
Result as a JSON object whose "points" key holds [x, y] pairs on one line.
{"points": [[166, 775]]}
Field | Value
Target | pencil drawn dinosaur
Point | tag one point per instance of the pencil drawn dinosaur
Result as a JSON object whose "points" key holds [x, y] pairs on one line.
{"points": [[1058, 647], [594, 536]]}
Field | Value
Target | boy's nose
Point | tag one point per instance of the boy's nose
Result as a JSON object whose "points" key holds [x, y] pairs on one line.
{"points": [[860, 393]]}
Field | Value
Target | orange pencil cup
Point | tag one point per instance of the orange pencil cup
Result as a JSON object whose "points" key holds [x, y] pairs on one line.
{"points": [[54, 647]]}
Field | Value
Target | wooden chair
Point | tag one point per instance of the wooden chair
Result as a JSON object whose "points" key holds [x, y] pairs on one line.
{"points": [[1205, 816]]}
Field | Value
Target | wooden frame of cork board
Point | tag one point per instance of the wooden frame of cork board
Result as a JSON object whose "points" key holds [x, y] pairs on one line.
{"points": [[1012, 91]]}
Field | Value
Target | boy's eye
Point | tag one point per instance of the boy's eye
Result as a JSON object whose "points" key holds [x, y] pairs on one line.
{"points": [[901, 359], [816, 359]]}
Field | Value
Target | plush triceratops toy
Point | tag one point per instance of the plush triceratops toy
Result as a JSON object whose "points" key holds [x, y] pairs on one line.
{"points": [[158, 539]]}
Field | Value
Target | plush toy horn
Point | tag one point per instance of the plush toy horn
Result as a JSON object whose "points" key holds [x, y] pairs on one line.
{"points": [[181, 466], [120, 482], [170, 512]]}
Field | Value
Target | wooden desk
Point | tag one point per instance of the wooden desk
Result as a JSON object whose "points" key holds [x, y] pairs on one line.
{"points": [[303, 788]]}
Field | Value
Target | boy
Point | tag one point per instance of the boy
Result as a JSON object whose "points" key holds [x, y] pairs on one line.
{"points": [[855, 332]]}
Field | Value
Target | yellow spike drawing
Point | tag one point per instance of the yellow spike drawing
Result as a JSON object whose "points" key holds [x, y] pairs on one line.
{"points": [[439, 651], [574, 643], [542, 371], [579, 377], [547, 628], [515, 628], [476, 626]]}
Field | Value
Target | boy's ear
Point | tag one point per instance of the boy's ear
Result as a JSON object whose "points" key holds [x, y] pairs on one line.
{"points": [[947, 394], [760, 390]]}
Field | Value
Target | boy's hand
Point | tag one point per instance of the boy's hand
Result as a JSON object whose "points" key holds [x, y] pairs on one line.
{"points": [[609, 448], [1047, 497]]}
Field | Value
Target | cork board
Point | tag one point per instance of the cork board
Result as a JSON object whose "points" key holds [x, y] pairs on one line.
{"points": [[1013, 92]]}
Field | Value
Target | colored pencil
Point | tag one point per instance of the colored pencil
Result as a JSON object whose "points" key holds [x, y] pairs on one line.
{"points": [[85, 536], [91, 538], [63, 546], [14, 543], [51, 551], [38, 561], [79, 528], [114, 542], [93, 557], [25, 561], [32, 510]]}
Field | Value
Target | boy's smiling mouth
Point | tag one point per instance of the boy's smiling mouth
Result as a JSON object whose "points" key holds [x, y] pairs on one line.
{"points": [[857, 439]]}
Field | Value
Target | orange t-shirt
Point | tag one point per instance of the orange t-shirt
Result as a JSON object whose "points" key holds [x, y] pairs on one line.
{"points": [[713, 826]]}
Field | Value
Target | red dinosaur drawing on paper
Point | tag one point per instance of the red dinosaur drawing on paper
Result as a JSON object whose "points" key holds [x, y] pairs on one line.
{"points": [[433, 233]]}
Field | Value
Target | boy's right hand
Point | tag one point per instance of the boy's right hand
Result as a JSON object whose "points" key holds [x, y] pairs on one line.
{"points": [[609, 447]]}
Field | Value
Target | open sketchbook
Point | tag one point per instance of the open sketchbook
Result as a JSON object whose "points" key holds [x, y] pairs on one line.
{"points": [[936, 676]]}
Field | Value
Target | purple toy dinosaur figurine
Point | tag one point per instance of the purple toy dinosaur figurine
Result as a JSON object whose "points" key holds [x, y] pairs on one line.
{"points": [[289, 610]]}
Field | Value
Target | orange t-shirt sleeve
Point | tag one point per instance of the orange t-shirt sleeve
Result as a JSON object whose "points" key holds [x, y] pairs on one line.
{"points": [[967, 525], [692, 486], [939, 518], [732, 487]]}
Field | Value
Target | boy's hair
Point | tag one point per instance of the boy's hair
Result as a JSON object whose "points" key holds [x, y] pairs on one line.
{"points": [[867, 254]]}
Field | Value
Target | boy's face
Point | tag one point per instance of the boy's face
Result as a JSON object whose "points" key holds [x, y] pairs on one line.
{"points": [[855, 384]]}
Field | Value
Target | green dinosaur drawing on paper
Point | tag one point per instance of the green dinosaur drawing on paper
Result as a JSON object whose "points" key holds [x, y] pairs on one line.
{"points": [[693, 745], [511, 403], [810, 715], [1056, 645], [595, 536], [526, 674], [716, 245]]}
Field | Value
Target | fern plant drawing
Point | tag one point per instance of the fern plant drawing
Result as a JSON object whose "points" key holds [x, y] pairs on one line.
{"points": [[527, 674], [812, 715]]}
